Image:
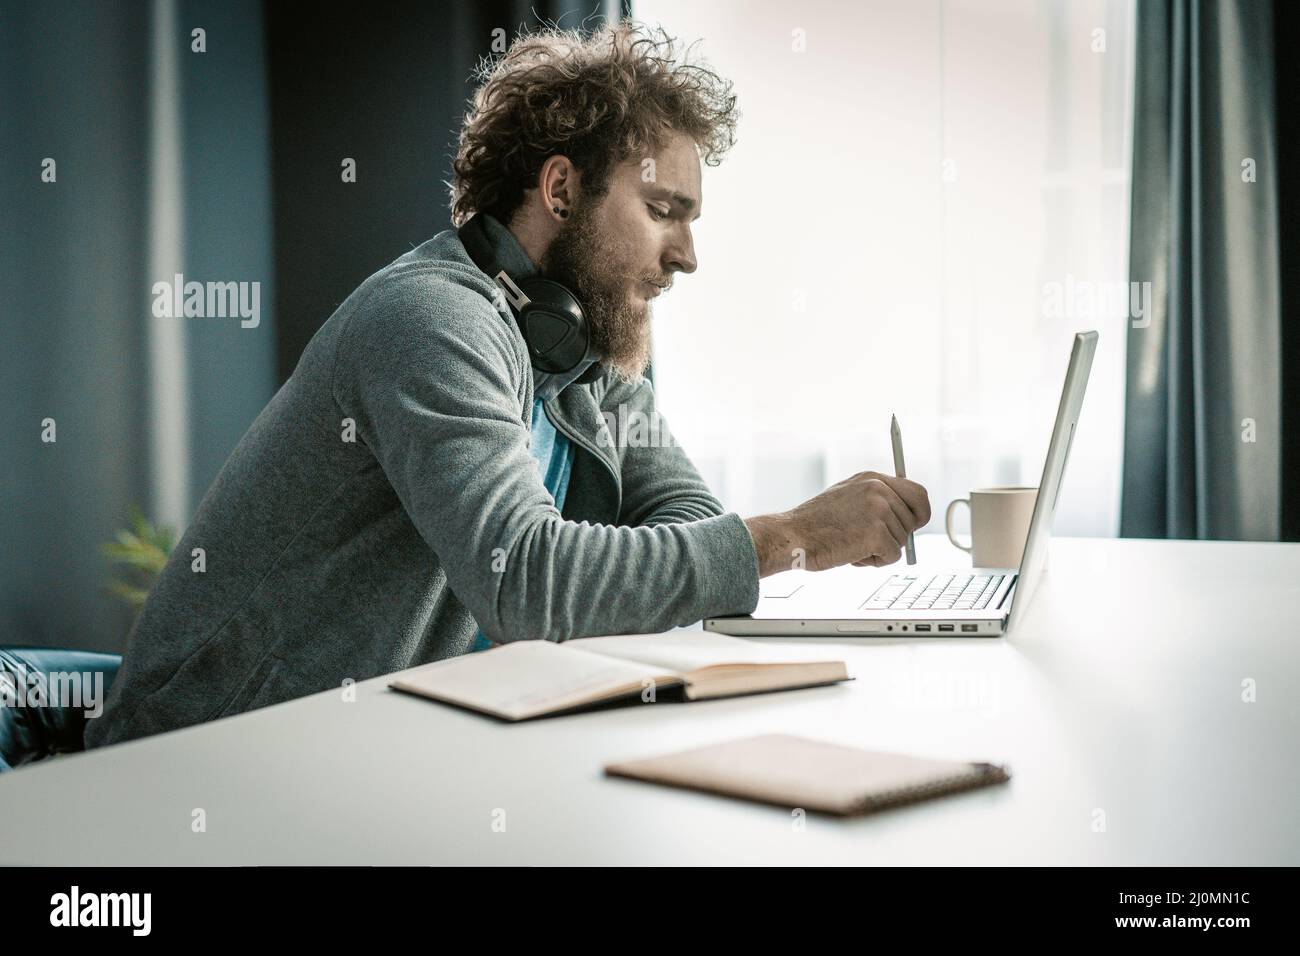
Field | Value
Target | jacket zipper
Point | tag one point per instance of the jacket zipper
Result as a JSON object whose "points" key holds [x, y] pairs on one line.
{"points": [[562, 426]]}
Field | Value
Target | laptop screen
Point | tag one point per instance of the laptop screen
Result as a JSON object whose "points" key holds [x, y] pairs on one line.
{"points": [[1049, 489]]}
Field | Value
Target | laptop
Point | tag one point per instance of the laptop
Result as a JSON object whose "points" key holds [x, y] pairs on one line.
{"points": [[961, 602]]}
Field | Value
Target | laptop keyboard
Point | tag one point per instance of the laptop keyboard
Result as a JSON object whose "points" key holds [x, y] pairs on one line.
{"points": [[943, 592]]}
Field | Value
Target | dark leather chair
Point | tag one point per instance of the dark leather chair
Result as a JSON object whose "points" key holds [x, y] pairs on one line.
{"points": [[42, 729]]}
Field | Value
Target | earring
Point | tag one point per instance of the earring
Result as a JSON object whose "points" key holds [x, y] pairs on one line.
{"points": [[564, 213]]}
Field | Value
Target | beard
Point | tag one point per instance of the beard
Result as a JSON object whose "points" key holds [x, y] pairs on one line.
{"points": [[585, 259]]}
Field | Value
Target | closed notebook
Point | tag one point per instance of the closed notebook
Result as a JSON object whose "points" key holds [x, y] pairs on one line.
{"points": [[798, 772]]}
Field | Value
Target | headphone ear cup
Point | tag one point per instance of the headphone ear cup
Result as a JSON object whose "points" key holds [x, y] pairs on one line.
{"points": [[553, 325]]}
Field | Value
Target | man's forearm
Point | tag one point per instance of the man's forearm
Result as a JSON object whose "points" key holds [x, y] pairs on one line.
{"points": [[776, 541]]}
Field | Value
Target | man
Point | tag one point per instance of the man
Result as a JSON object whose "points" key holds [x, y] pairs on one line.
{"points": [[417, 489]]}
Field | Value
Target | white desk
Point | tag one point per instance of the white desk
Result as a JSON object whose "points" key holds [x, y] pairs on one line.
{"points": [[1122, 693]]}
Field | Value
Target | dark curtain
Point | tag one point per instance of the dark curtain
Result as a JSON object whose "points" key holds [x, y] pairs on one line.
{"points": [[110, 98], [1286, 41], [1209, 416], [387, 86]]}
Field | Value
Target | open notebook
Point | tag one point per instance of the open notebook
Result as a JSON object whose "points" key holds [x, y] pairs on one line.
{"points": [[526, 679]]}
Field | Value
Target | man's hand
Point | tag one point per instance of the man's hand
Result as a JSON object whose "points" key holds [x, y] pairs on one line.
{"points": [[862, 520]]}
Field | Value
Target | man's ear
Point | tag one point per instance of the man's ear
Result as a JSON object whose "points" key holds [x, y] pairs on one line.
{"points": [[559, 183]]}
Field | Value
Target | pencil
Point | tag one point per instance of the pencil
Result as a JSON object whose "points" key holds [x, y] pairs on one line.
{"points": [[900, 469]]}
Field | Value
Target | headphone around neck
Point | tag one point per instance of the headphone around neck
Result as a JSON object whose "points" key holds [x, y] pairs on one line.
{"points": [[550, 317]]}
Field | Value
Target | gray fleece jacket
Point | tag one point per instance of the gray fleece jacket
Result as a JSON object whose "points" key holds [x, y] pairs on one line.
{"points": [[384, 505]]}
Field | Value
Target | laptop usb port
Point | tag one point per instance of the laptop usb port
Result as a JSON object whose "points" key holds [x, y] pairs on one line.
{"points": [[922, 627], [945, 627], [973, 628]]}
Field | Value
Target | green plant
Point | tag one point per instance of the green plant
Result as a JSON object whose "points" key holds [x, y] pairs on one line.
{"points": [[143, 549]]}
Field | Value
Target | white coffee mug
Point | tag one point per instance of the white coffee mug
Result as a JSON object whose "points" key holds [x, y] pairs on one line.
{"points": [[999, 525]]}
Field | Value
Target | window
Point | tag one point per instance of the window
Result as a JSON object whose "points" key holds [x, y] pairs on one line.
{"points": [[925, 202]]}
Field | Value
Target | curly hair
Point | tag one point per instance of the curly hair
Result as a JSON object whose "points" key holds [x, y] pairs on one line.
{"points": [[598, 99]]}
